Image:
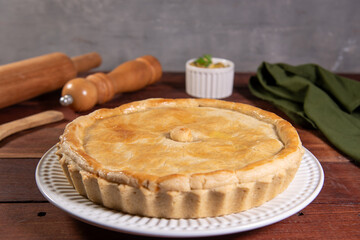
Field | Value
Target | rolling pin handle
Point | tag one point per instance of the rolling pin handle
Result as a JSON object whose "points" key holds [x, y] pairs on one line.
{"points": [[85, 62]]}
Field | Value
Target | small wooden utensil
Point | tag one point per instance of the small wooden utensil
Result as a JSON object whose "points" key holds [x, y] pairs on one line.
{"points": [[82, 94], [32, 121], [29, 78]]}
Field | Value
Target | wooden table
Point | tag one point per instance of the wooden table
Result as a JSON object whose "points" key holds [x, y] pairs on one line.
{"points": [[26, 214]]}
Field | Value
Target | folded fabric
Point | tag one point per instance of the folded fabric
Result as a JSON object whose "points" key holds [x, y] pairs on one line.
{"points": [[314, 97]]}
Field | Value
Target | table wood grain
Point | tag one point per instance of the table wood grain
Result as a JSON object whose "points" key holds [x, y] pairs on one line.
{"points": [[26, 214]]}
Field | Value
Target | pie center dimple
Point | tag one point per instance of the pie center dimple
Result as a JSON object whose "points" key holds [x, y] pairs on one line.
{"points": [[181, 134]]}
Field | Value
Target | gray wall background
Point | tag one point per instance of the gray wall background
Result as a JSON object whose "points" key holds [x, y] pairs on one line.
{"points": [[326, 32]]}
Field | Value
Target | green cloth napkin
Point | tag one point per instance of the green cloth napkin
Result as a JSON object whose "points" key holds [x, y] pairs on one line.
{"points": [[314, 97]]}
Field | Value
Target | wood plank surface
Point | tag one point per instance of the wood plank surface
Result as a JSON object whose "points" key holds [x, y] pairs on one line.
{"points": [[45, 221], [26, 214]]}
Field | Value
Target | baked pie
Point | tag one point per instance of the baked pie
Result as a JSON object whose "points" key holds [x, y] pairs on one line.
{"points": [[180, 158]]}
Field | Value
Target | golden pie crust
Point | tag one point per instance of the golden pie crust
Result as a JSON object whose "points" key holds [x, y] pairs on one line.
{"points": [[180, 158]]}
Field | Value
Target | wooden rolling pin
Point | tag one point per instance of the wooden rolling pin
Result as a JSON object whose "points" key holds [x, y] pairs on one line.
{"points": [[82, 94], [29, 78]]}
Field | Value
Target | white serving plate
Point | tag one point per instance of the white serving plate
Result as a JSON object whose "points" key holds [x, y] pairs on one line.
{"points": [[302, 191]]}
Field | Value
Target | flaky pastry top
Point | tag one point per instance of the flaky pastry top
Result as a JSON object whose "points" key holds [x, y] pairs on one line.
{"points": [[181, 144]]}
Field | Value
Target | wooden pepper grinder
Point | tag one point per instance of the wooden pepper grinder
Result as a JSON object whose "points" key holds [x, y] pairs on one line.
{"points": [[82, 94], [29, 78]]}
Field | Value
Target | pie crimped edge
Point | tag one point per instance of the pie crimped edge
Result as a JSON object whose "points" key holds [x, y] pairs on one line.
{"points": [[194, 195]]}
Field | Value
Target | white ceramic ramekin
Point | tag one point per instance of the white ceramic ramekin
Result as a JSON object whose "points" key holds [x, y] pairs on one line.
{"points": [[210, 82]]}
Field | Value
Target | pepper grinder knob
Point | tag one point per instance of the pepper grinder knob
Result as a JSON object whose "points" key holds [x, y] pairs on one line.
{"points": [[80, 94], [66, 100]]}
